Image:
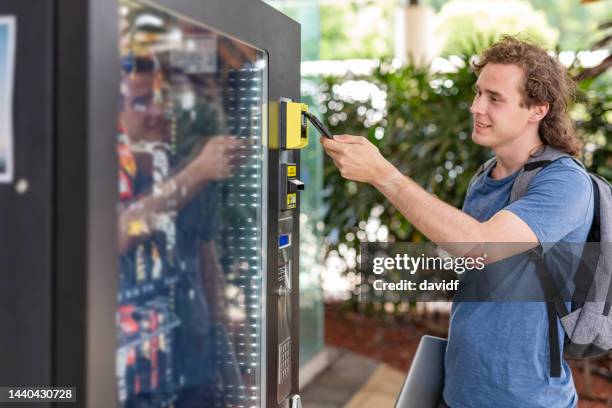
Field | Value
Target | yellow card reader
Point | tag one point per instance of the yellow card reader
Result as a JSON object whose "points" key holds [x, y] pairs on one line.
{"points": [[294, 131], [294, 125]]}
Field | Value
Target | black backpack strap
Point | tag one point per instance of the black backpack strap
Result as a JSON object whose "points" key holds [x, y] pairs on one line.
{"points": [[551, 291], [554, 307], [595, 231], [553, 341]]}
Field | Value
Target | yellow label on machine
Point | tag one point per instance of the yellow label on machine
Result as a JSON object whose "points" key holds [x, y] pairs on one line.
{"points": [[291, 200], [291, 171]]}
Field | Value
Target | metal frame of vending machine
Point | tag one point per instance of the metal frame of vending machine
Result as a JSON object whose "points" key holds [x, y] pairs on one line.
{"points": [[58, 296]]}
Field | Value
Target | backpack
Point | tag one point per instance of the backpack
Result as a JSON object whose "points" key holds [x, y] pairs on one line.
{"points": [[588, 325]]}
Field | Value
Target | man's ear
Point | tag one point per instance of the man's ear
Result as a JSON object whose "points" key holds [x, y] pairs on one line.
{"points": [[538, 112]]}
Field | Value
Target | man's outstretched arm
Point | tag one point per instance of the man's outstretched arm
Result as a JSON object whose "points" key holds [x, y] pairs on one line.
{"points": [[359, 160]]}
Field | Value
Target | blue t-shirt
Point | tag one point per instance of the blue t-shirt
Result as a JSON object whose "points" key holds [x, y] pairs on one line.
{"points": [[498, 353]]}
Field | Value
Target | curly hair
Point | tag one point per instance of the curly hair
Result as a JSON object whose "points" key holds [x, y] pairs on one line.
{"points": [[545, 81]]}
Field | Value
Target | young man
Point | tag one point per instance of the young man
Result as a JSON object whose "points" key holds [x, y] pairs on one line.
{"points": [[498, 353]]}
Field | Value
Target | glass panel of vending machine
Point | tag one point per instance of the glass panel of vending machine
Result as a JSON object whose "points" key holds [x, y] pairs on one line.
{"points": [[190, 240]]}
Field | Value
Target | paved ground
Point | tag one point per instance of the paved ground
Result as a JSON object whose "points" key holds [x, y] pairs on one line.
{"points": [[353, 381], [381, 390]]}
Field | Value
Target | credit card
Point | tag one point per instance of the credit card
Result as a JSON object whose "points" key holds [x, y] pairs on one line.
{"points": [[318, 125]]}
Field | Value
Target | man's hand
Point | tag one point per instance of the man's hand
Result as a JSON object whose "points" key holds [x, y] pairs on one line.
{"points": [[358, 159]]}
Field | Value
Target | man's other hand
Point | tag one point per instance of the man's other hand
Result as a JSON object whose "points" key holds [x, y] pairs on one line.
{"points": [[358, 159]]}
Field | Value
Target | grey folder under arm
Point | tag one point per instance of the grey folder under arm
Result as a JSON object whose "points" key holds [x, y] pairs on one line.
{"points": [[425, 381]]}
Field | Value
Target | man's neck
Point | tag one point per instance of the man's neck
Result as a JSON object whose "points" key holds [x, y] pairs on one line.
{"points": [[513, 156]]}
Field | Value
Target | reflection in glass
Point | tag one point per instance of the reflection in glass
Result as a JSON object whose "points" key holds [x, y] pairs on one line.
{"points": [[190, 213]]}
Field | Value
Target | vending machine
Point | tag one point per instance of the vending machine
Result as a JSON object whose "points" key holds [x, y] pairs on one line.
{"points": [[151, 211]]}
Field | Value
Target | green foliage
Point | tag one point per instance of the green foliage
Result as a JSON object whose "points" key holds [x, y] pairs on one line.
{"points": [[461, 23], [593, 117], [592, 111], [422, 125], [576, 21], [359, 29]]}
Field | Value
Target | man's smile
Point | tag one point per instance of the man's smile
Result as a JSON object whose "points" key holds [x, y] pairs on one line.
{"points": [[481, 125]]}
